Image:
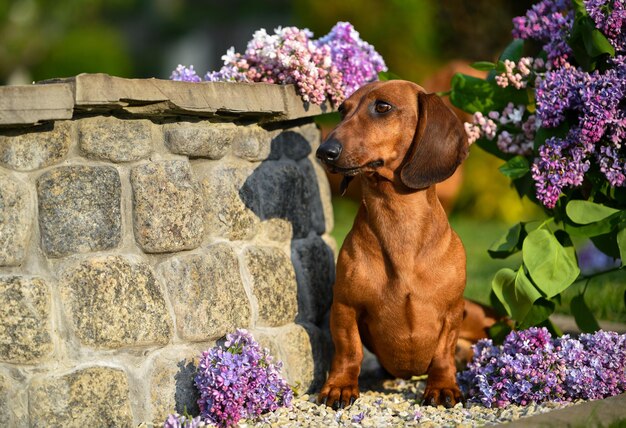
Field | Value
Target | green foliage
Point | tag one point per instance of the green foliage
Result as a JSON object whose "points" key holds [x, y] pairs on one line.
{"points": [[595, 211]]}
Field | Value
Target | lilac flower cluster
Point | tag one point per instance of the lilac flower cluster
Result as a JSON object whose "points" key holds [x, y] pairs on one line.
{"points": [[515, 134], [532, 367], [610, 18], [548, 22], [239, 381], [180, 421], [332, 67], [591, 106]]}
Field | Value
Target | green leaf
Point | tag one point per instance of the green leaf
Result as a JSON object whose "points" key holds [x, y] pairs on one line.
{"points": [[472, 94], [621, 243], [509, 243], [541, 310], [607, 243], [598, 228], [543, 134], [551, 266], [597, 44], [516, 167], [513, 51], [515, 291], [499, 331], [383, 76], [483, 65], [586, 212], [583, 315]]}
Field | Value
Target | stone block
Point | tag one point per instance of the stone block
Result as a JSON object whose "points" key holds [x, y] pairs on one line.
{"points": [[37, 147], [92, 397], [25, 314], [274, 285], [167, 207], [171, 385], [295, 143], [202, 139], [79, 209], [323, 194], [207, 293], [316, 207], [16, 220], [113, 302], [283, 192], [252, 143], [6, 419], [114, 139], [232, 203], [315, 272], [297, 356]]}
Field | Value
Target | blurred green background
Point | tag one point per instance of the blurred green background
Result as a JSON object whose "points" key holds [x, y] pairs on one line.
{"points": [[421, 40]]}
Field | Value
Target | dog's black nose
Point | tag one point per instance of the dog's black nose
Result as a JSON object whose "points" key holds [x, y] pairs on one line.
{"points": [[329, 150]]}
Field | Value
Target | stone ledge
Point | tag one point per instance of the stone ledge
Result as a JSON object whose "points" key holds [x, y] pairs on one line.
{"points": [[62, 98]]}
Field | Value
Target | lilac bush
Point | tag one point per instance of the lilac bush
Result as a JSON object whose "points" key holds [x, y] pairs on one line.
{"points": [[553, 107], [331, 67], [235, 381], [532, 367]]}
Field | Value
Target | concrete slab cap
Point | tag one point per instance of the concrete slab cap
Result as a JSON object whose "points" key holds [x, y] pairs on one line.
{"points": [[59, 98]]}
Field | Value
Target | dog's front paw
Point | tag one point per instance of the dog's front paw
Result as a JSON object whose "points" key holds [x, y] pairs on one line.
{"points": [[338, 396], [444, 396]]}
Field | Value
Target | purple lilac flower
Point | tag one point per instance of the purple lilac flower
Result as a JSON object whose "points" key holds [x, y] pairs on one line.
{"points": [[239, 380], [561, 163], [531, 367], [178, 421], [328, 68], [357, 60], [548, 22], [556, 93], [185, 74], [358, 418], [610, 18]]}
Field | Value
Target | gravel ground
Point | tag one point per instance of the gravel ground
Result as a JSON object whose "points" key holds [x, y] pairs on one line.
{"points": [[393, 403]]}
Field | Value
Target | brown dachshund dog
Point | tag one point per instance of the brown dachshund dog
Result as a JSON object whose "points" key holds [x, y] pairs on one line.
{"points": [[401, 270]]}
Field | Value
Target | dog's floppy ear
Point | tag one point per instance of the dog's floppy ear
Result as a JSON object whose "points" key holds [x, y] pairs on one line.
{"points": [[439, 145]]}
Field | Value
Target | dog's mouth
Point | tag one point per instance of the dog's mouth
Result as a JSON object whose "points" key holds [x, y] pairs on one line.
{"points": [[352, 171]]}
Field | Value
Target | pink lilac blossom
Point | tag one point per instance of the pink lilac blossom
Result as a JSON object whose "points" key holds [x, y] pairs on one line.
{"points": [[332, 67], [516, 75], [235, 381], [532, 367]]}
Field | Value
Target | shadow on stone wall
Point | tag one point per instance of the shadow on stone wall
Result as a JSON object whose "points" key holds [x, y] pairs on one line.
{"points": [[285, 187]]}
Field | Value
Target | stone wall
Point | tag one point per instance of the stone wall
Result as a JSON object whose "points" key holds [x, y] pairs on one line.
{"points": [[141, 221]]}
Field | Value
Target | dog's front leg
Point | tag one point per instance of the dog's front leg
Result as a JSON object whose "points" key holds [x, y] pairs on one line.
{"points": [[441, 387], [342, 385]]}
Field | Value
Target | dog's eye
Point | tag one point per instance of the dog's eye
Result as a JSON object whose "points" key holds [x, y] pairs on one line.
{"points": [[382, 107]]}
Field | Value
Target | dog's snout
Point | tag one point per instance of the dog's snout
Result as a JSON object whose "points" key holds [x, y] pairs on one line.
{"points": [[329, 150]]}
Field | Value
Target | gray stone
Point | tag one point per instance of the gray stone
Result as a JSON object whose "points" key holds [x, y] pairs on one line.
{"points": [[315, 272], [231, 200], [277, 229], [171, 385], [207, 293], [274, 285], [203, 139], [323, 193], [16, 220], [293, 142], [113, 302], [298, 357], [25, 314], [167, 208], [36, 147], [252, 143], [114, 139], [93, 397], [316, 207], [79, 209], [283, 192]]}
